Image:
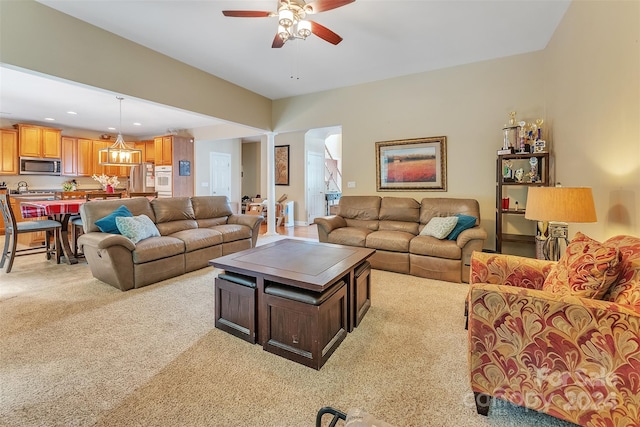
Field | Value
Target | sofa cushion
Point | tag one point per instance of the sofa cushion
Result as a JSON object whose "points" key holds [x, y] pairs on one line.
{"points": [[173, 209], [464, 223], [407, 227], [350, 236], [137, 228], [93, 210], [199, 238], [205, 207], [360, 211], [233, 232], [587, 269], [439, 227], [430, 246], [445, 206], [393, 241], [107, 224], [155, 248], [399, 209]]}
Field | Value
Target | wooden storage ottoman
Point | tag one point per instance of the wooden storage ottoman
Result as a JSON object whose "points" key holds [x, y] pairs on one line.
{"points": [[361, 292], [235, 305], [305, 326]]}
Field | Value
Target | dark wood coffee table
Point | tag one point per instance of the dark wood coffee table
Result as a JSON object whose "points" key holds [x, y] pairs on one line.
{"points": [[298, 264]]}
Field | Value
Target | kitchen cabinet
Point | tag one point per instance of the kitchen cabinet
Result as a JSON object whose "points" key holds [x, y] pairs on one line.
{"points": [[9, 152], [512, 185], [39, 141], [99, 169], [148, 150], [77, 156], [163, 147]]}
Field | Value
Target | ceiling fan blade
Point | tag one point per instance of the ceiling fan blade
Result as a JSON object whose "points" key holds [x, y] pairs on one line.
{"points": [[246, 13], [322, 5], [277, 41], [324, 33]]}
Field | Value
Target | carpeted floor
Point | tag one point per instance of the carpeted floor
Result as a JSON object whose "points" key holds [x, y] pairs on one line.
{"points": [[77, 352]]}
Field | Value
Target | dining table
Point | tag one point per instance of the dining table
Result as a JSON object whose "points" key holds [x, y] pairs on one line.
{"points": [[60, 210]]}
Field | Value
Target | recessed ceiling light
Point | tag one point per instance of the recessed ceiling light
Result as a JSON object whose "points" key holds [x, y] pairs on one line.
{"points": [[111, 128], [73, 113], [49, 119], [137, 124]]}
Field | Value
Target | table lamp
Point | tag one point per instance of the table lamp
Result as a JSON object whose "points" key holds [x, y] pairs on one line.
{"points": [[559, 206]]}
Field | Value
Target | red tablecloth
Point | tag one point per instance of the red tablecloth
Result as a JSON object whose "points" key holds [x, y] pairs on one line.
{"points": [[50, 207]]}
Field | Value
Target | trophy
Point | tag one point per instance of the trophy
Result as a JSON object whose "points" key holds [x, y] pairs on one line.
{"points": [[539, 123]]}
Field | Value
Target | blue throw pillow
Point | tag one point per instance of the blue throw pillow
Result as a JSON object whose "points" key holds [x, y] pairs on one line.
{"points": [[464, 222], [108, 223]]}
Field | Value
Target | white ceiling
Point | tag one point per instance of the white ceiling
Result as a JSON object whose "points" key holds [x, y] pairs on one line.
{"points": [[382, 39]]}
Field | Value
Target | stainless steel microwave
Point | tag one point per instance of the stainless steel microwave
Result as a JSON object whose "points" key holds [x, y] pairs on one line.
{"points": [[36, 166]]}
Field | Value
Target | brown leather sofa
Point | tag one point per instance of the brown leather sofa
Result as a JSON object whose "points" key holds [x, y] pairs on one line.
{"points": [[193, 230], [392, 226]]}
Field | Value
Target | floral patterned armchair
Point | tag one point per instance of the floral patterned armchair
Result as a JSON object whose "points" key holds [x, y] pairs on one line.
{"points": [[562, 352]]}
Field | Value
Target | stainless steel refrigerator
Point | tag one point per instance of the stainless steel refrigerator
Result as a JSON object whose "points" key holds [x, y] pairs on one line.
{"points": [[142, 178]]}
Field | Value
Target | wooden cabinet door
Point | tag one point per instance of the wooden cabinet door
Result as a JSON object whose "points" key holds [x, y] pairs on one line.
{"points": [[30, 140], [140, 145], [85, 157], [98, 145], [163, 150], [8, 152], [51, 143], [69, 156], [150, 152]]}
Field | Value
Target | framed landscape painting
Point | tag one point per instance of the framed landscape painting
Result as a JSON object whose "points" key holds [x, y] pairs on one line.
{"points": [[282, 164], [412, 164]]}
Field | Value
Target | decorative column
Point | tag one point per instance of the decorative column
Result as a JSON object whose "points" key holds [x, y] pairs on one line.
{"points": [[271, 185]]}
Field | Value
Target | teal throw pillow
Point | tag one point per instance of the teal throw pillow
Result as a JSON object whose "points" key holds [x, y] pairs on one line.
{"points": [[464, 222], [108, 223], [137, 228]]}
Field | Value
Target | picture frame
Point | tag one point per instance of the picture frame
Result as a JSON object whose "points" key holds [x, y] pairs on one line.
{"points": [[418, 164], [184, 168], [282, 164]]}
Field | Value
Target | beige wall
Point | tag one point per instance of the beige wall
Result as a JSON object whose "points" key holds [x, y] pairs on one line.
{"points": [[592, 76], [467, 104]]}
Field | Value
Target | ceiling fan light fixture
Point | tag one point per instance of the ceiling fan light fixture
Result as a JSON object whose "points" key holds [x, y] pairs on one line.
{"points": [[303, 29], [285, 17], [283, 33]]}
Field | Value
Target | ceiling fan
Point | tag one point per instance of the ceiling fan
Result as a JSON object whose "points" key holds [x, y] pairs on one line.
{"points": [[292, 22]]}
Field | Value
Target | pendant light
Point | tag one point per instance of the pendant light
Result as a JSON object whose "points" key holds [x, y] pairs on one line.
{"points": [[119, 154]]}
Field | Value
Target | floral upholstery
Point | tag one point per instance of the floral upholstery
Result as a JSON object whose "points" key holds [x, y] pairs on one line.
{"points": [[572, 357], [587, 269]]}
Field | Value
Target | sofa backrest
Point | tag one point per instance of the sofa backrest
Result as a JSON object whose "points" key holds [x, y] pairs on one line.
{"points": [[399, 214], [211, 210], [360, 211], [173, 214], [93, 210], [445, 206]]}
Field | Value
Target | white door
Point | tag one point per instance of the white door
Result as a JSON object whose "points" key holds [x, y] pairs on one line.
{"points": [[220, 174], [315, 186]]}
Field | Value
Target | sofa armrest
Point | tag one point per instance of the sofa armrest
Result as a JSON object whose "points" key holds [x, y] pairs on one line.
{"points": [[509, 270], [251, 221], [101, 240], [574, 358], [326, 224]]}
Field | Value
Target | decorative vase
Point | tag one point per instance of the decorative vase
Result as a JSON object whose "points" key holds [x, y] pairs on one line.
{"points": [[109, 188]]}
